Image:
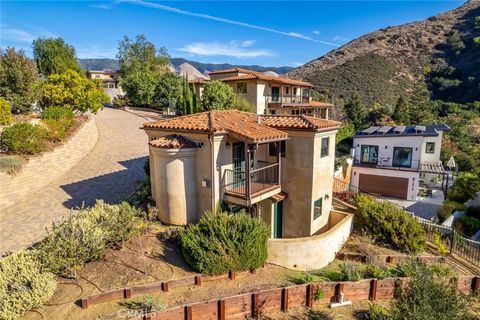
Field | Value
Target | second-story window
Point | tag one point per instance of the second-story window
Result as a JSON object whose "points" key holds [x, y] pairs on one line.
{"points": [[430, 147], [287, 90], [402, 157], [241, 87], [325, 146]]}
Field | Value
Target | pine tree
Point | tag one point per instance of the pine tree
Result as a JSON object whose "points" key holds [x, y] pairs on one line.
{"points": [[421, 111], [355, 110], [401, 114]]}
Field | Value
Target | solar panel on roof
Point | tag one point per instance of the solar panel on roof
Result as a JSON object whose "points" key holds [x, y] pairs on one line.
{"points": [[399, 129], [384, 129], [370, 130], [420, 128]]}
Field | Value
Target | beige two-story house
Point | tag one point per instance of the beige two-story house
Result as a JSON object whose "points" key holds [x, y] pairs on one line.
{"points": [[273, 94], [277, 167], [110, 80]]}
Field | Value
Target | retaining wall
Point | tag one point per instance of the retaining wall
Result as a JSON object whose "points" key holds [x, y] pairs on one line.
{"points": [[303, 253], [41, 170]]}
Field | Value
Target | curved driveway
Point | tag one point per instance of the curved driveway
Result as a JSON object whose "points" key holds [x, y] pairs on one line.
{"points": [[111, 171]]}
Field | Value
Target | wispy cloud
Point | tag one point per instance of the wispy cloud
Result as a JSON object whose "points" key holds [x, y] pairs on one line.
{"points": [[104, 6], [236, 49], [340, 39], [92, 51], [316, 32], [228, 21], [16, 35]]}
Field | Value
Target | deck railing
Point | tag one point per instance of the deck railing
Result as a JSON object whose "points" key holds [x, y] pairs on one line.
{"points": [[385, 163], [263, 177], [458, 244], [287, 98]]}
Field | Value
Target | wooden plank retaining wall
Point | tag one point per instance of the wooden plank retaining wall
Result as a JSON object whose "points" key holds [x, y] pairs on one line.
{"points": [[265, 301]]}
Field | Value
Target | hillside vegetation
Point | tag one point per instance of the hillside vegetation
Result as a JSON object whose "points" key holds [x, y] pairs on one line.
{"points": [[385, 64]]}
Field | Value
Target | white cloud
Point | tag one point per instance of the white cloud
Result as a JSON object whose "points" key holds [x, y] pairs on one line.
{"points": [[101, 6], [12, 34], [316, 32], [224, 20], [92, 51], [234, 49]]}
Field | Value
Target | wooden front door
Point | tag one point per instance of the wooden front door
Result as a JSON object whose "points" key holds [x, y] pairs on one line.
{"points": [[277, 219]]}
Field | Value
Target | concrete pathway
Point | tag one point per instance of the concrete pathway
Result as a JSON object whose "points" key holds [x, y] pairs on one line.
{"points": [[111, 171], [425, 207]]}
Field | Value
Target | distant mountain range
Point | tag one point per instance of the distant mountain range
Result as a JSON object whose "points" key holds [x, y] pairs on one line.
{"points": [[101, 64], [387, 63]]}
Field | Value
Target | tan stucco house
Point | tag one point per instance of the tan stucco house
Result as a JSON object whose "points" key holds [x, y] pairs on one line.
{"points": [[270, 93], [278, 167], [110, 80]]}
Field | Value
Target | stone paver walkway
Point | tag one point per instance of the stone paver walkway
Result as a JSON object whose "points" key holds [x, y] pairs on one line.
{"points": [[111, 171]]}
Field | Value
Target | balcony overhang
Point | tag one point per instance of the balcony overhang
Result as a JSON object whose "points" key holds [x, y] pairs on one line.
{"points": [[241, 199]]}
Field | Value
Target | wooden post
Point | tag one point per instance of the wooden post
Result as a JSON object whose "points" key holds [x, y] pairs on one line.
{"points": [[165, 286], [255, 305], [127, 293], [198, 280], [84, 303], [231, 275], [475, 284], [284, 299], [221, 309], [309, 302], [253, 271], [188, 313], [373, 290], [338, 289], [148, 316]]}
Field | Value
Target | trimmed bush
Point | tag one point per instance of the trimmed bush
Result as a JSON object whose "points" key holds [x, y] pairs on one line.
{"points": [[64, 115], [55, 131], [378, 312], [448, 208], [24, 138], [5, 112], [23, 284], [389, 224], [467, 225], [85, 235], [219, 243]]}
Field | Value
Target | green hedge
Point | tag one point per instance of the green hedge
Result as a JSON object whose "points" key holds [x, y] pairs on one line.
{"points": [[220, 243], [23, 284], [5, 112], [448, 208], [467, 225], [24, 138], [85, 235], [389, 224]]}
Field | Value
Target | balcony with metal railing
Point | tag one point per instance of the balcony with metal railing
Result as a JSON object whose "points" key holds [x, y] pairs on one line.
{"points": [[387, 163], [248, 188], [287, 99]]}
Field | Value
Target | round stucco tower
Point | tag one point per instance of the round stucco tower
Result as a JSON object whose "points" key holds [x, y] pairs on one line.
{"points": [[173, 175]]}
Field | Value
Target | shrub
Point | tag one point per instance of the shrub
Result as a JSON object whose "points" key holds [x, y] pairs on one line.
{"points": [[54, 130], [389, 224], [467, 225], [23, 284], [473, 212], [414, 266], [24, 138], [85, 235], [448, 208], [304, 277], [466, 186], [350, 271], [64, 115], [219, 243], [377, 272], [430, 296], [378, 312], [11, 164], [441, 246], [5, 112]]}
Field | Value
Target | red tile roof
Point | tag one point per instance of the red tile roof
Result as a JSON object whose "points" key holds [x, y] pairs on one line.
{"points": [[173, 141], [252, 75], [245, 126], [320, 104]]}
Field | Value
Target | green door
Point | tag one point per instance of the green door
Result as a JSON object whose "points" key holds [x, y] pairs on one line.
{"points": [[277, 219]]}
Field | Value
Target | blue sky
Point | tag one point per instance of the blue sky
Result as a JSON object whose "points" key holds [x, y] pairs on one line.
{"points": [[269, 33]]}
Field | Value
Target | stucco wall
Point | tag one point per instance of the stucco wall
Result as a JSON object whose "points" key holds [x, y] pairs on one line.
{"points": [[315, 252], [42, 170]]}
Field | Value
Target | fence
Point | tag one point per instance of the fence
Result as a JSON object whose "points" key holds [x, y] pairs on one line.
{"points": [[456, 243], [254, 304]]}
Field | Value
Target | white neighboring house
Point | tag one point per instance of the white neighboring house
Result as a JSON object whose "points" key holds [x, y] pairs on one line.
{"points": [[395, 161]]}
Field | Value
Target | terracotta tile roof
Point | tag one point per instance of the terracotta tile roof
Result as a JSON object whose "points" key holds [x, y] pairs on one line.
{"points": [[251, 75], [199, 81], [320, 104], [244, 126], [173, 141], [241, 125], [300, 122]]}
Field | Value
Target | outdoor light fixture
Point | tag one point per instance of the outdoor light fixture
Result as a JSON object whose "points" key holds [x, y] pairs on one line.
{"points": [[327, 196], [386, 147]]}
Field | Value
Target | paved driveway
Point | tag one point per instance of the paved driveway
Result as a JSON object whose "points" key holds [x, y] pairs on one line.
{"points": [[110, 171]]}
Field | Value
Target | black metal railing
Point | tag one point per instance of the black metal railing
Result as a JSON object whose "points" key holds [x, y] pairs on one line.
{"points": [[458, 244], [287, 99], [386, 163], [263, 177]]}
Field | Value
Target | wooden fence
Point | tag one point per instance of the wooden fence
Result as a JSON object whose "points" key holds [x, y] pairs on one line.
{"points": [[251, 305]]}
